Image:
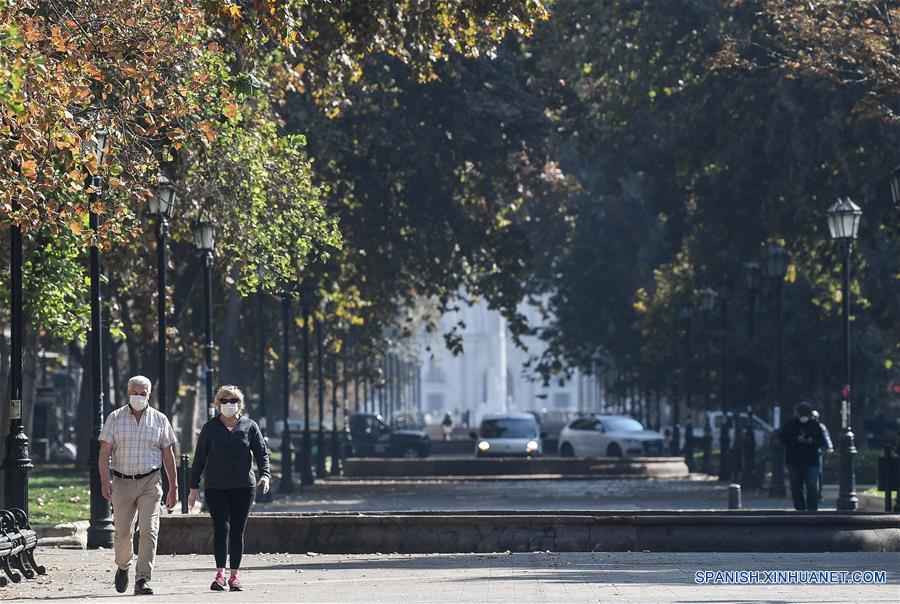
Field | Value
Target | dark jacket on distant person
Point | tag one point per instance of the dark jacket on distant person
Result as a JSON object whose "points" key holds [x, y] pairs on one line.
{"points": [[802, 455]]}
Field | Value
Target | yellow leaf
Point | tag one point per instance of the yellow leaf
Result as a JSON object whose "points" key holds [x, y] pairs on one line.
{"points": [[230, 111], [75, 225]]}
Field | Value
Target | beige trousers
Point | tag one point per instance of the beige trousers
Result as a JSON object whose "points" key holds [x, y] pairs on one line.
{"points": [[141, 497]]}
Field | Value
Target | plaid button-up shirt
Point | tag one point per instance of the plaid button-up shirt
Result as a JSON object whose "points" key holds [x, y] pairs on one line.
{"points": [[137, 446]]}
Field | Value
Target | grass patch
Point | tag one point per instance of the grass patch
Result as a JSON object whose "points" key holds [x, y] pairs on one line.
{"points": [[58, 493]]}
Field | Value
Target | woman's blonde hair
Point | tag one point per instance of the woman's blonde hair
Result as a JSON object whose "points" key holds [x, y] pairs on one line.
{"points": [[234, 391]]}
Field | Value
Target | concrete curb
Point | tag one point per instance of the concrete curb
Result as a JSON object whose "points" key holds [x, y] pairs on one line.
{"points": [[644, 467], [66, 534], [569, 531]]}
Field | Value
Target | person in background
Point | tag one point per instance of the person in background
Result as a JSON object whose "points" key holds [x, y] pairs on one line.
{"points": [[447, 426], [802, 439], [827, 447], [227, 445], [139, 440]]}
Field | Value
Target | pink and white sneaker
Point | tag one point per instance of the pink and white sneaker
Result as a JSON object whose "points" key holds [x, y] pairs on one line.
{"points": [[234, 584], [218, 583]]}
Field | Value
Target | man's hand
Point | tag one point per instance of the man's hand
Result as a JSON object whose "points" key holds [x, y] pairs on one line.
{"points": [[192, 498], [172, 497], [829, 450], [106, 489], [264, 483]]}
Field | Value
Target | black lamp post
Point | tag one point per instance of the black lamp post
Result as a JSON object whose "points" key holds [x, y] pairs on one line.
{"points": [[261, 353], [725, 428], [335, 449], [843, 224], [286, 486], [749, 477], [162, 204], [17, 462], [307, 293], [776, 269], [707, 304], [205, 240], [687, 313], [100, 529], [319, 327]]}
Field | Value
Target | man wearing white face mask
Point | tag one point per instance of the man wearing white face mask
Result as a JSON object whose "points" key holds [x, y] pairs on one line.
{"points": [[802, 438], [226, 447], [139, 440]]}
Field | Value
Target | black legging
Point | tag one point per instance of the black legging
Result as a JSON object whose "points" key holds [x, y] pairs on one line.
{"points": [[229, 509]]}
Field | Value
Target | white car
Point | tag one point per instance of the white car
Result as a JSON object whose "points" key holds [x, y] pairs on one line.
{"points": [[608, 436], [508, 435], [761, 430]]}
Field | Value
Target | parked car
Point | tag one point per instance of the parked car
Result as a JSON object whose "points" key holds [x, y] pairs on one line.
{"points": [[761, 429], [508, 435], [608, 436], [369, 436]]}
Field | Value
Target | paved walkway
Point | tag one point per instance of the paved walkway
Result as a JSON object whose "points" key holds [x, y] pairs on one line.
{"points": [[76, 575]]}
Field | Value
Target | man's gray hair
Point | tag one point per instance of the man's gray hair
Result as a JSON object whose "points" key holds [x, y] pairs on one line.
{"points": [[143, 381]]}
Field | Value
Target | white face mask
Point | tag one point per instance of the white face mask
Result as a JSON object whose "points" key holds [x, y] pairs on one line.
{"points": [[138, 402], [804, 419], [229, 409]]}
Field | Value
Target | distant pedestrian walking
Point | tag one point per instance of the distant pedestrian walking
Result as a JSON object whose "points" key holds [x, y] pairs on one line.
{"points": [[225, 449], [827, 447], [802, 438], [447, 426]]}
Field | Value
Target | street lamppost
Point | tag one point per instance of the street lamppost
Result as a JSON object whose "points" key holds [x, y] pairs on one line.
{"points": [[776, 269], [320, 379], [17, 462], [725, 428], [205, 240], [286, 486], [261, 351], [749, 478], [335, 450], [707, 304], [162, 204], [100, 529], [687, 313], [843, 224], [307, 293]]}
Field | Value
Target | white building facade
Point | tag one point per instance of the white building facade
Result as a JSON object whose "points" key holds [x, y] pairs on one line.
{"points": [[491, 375]]}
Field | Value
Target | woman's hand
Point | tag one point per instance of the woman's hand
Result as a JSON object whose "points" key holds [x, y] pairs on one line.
{"points": [[264, 483], [192, 499]]}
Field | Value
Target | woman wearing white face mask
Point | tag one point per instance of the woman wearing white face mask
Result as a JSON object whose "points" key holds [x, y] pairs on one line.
{"points": [[225, 448]]}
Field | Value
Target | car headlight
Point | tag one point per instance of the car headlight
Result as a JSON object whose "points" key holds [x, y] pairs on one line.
{"points": [[531, 446], [484, 445]]}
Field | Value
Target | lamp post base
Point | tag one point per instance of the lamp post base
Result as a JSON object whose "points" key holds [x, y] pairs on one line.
{"points": [[776, 485], [286, 484], [16, 467], [100, 533], [689, 447], [725, 451], [707, 447], [847, 501]]}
